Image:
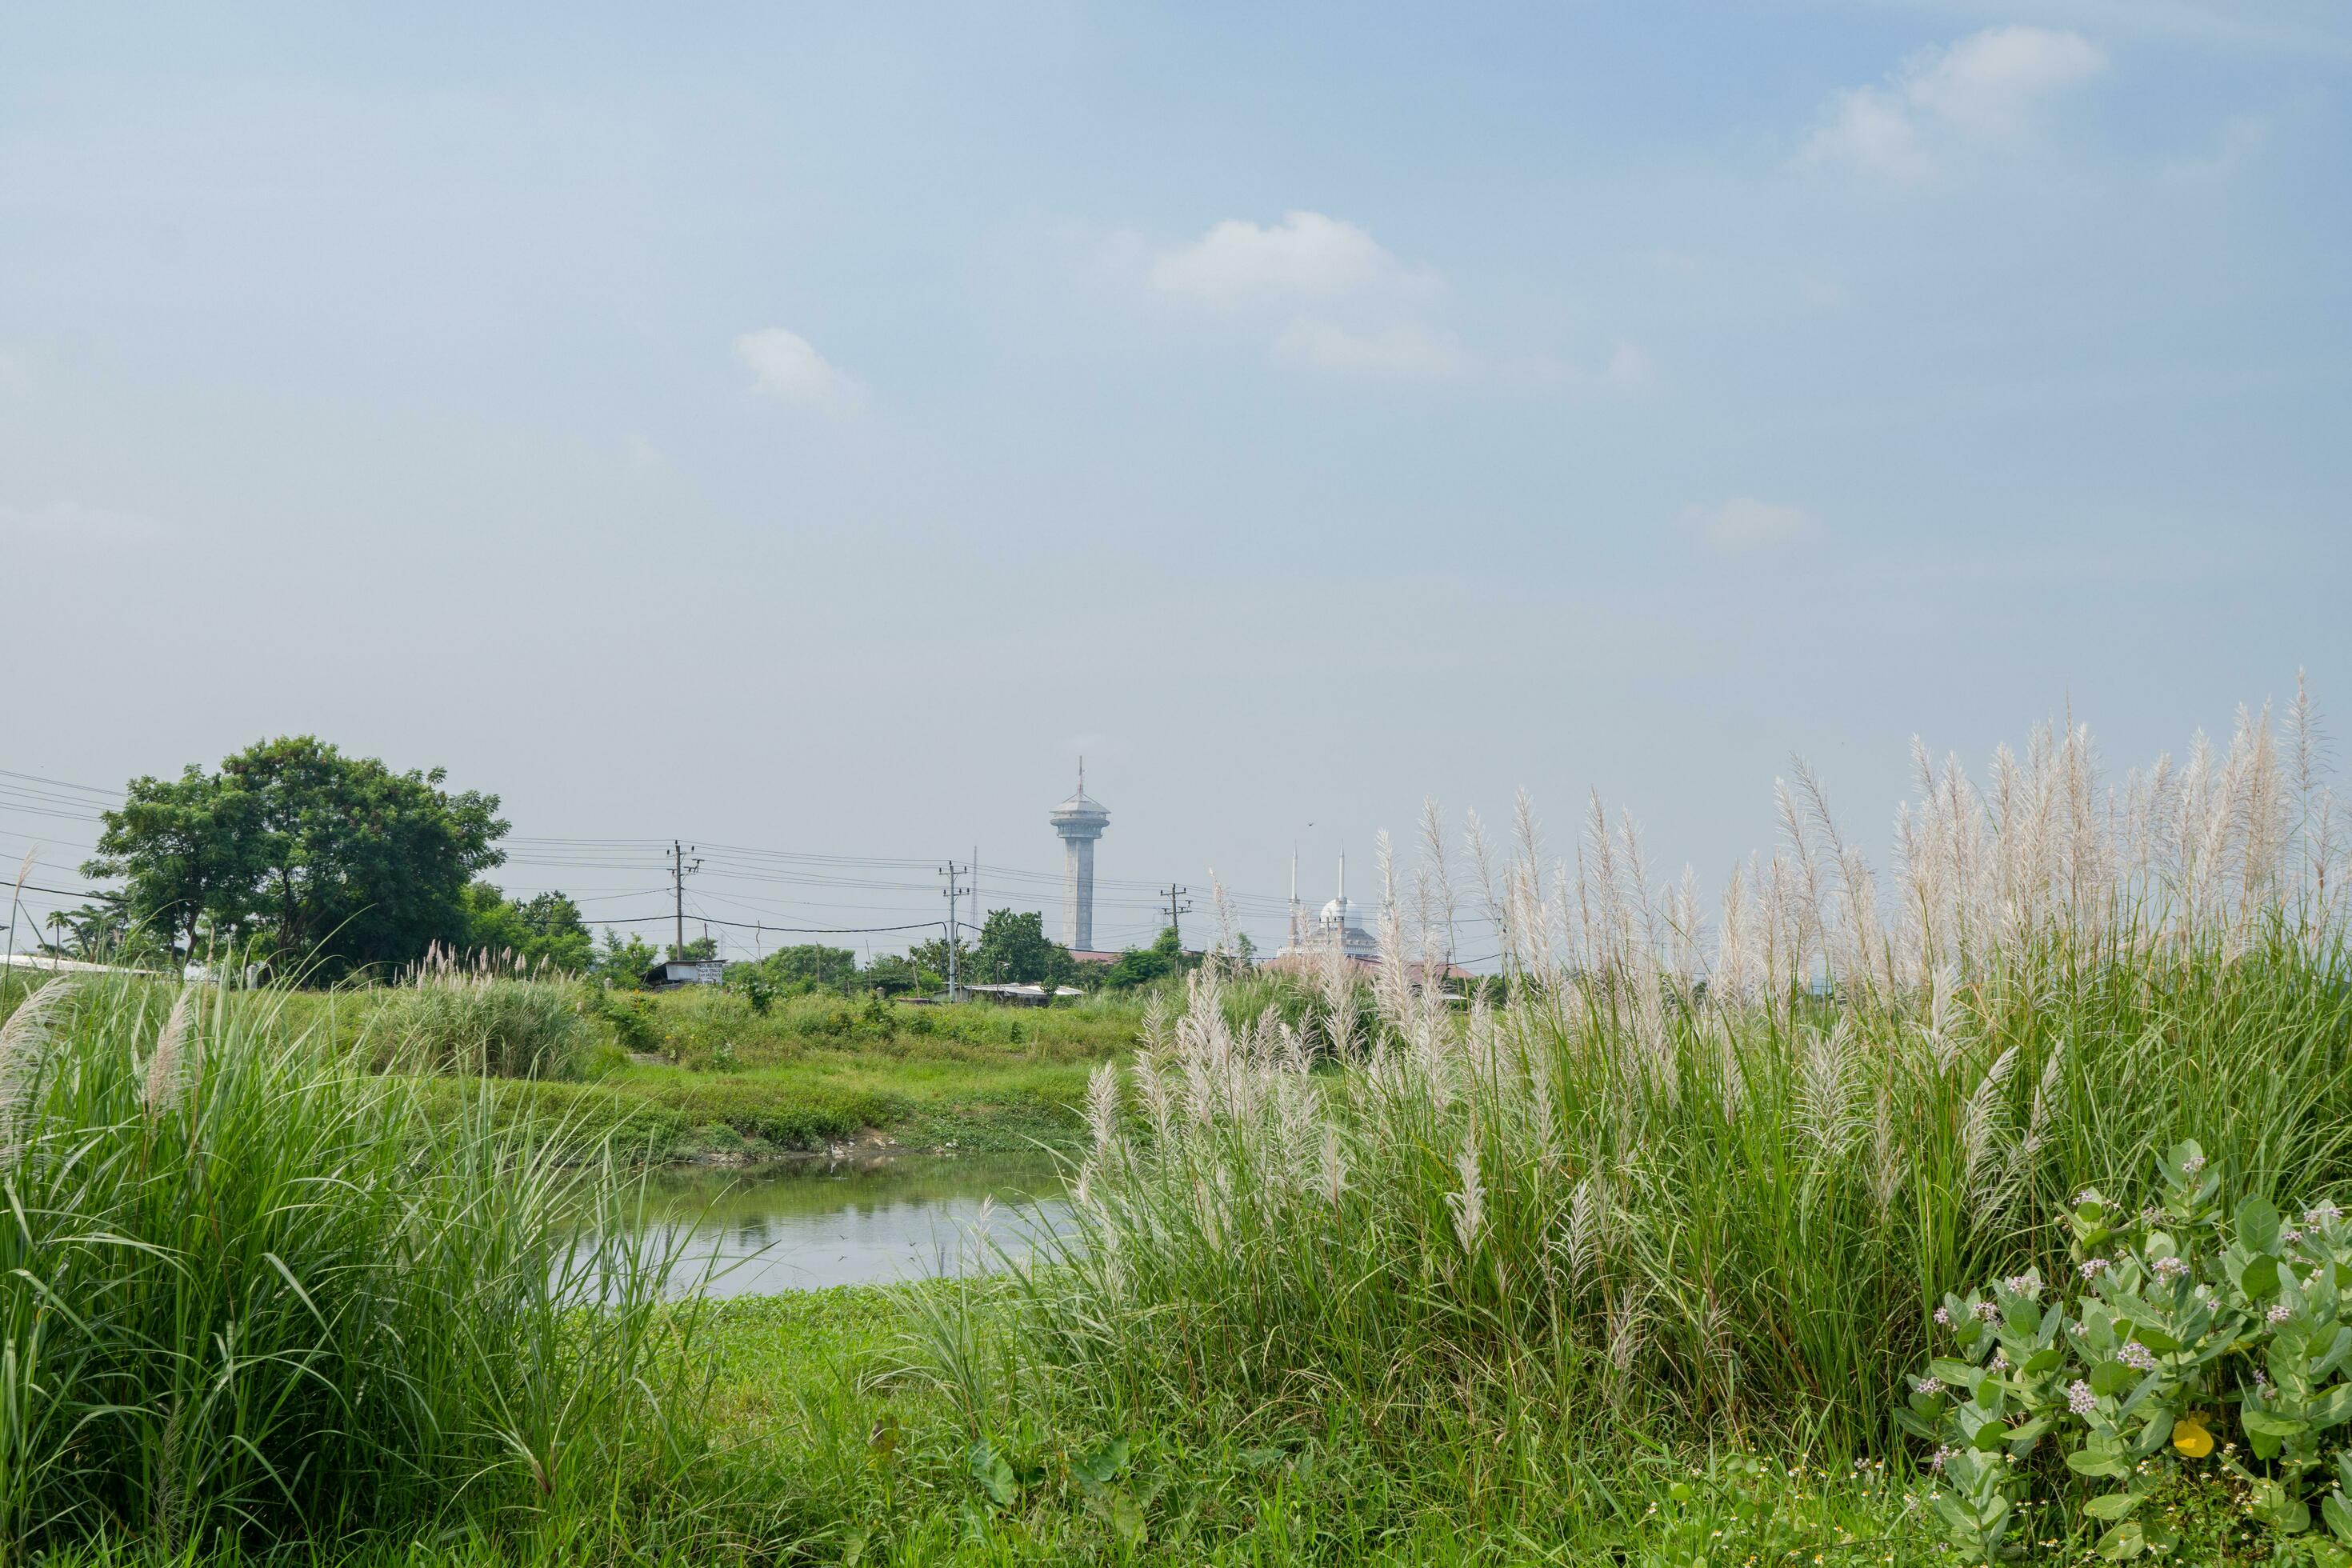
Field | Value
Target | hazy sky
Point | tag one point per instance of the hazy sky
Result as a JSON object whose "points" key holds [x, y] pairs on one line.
{"points": [[811, 427]]}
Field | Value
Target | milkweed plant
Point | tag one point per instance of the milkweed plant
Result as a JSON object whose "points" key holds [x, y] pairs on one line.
{"points": [[2188, 1336]]}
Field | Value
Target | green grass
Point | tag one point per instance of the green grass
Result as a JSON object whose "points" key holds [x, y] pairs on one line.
{"points": [[241, 1300]]}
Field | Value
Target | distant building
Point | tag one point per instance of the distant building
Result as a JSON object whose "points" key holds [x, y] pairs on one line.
{"points": [[1337, 921], [671, 973], [1022, 995], [1337, 925]]}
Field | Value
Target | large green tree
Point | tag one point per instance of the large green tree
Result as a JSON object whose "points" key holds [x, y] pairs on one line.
{"points": [[545, 929], [1015, 949], [187, 848], [329, 863]]}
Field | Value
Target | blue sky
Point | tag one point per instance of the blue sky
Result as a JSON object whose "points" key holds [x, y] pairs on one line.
{"points": [[812, 428]]}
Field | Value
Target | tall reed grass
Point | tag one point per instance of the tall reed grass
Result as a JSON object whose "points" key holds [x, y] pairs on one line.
{"points": [[250, 1294], [486, 1014], [1699, 1181]]}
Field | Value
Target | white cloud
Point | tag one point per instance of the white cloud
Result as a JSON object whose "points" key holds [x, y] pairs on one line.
{"points": [[785, 364], [1404, 351], [1745, 526], [1988, 83], [1983, 89], [1868, 131], [1306, 254]]}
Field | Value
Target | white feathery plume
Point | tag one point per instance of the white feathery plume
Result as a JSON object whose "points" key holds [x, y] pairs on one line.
{"points": [[165, 1069], [1825, 1091], [1468, 1204], [1980, 1136], [22, 1041], [1102, 1106]]}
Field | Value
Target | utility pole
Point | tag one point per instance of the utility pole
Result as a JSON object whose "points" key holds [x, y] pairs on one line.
{"points": [[1171, 893], [678, 872], [952, 892]]}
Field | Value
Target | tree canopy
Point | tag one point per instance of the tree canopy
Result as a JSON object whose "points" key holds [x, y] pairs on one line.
{"points": [[1013, 949], [545, 929], [320, 861]]}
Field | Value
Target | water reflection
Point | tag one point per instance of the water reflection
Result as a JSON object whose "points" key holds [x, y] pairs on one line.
{"points": [[800, 1226]]}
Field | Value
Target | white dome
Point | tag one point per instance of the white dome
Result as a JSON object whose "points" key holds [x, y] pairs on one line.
{"points": [[1340, 911]]}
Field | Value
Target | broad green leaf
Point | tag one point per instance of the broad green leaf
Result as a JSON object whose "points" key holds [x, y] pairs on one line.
{"points": [[2257, 1222], [1126, 1519], [2264, 1423], [2338, 1511], [2126, 1540], [2156, 1339], [2042, 1362], [2084, 1462], [2110, 1378], [994, 1475], [1105, 1462], [2261, 1279], [2113, 1506]]}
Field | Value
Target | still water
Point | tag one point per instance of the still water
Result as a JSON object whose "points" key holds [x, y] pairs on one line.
{"points": [[802, 1226]]}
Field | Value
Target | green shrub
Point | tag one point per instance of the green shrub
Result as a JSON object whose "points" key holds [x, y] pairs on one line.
{"points": [[702, 1026], [635, 1018], [2172, 1317], [457, 1018]]}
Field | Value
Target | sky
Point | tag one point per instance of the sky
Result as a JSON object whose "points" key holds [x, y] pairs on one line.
{"points": [[811, 429]]}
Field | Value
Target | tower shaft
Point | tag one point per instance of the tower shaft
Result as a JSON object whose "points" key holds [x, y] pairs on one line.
{"points": [[1078, 894]]}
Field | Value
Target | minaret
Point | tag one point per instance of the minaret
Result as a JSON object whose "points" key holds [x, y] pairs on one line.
{"points": [[1080, 821], [1297, 913]]}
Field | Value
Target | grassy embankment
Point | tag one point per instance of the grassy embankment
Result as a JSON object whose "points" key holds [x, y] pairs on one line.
{"points": [[1630, 1269], [699, 1073]]}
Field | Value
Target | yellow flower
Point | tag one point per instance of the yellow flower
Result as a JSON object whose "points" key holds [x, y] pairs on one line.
{"points": [[2190, 1435]]}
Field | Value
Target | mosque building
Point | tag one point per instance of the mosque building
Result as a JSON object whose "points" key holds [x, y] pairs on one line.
{"points": [[1337, 921]]}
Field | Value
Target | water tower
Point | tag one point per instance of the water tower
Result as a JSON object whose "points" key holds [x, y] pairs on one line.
{"points": [[1080, 820]]}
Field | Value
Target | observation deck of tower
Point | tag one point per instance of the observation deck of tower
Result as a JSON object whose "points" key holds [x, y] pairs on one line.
{"points": [[1080, 820]]}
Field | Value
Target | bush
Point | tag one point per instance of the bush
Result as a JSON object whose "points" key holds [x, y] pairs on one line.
{"points": [[2171, 1317], [237, 1307], [634, 1016], [477, 1020]]}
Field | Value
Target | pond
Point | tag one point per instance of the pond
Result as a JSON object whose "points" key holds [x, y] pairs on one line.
{"points": [[805, 1225]]}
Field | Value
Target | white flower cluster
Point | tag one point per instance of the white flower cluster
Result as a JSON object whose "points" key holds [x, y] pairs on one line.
{"points": [[2279, 1313], [2092, 1268], [2136, 1356], [2026, 1285], [2171, 1269], [2080, 1399]]}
